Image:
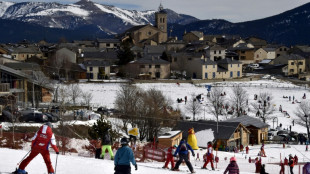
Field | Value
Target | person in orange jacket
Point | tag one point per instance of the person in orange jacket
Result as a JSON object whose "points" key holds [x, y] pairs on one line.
{"points": [[170, 153], [40, 144], [291, 163], [209, 156]]}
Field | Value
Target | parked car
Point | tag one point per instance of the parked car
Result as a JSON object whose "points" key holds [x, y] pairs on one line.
{"points": [[7, 116], [270, 136], [282, 132], [33, 117], [52, 117]]}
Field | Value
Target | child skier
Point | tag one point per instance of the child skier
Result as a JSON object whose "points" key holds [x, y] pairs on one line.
{"points": [[232, 167], [40, 143], [247, 149], [170, 153], [182, 150], [123, 157], [209, 156], [107, 144]]}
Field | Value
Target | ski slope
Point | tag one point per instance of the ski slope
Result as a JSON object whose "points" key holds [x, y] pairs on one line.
{"points": [[82, 165]]}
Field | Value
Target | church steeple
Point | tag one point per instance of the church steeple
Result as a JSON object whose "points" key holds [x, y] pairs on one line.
{"points": [[160, 8]]}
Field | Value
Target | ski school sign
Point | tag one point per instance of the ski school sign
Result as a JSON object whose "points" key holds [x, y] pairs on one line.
{"points": [[154, 154]]}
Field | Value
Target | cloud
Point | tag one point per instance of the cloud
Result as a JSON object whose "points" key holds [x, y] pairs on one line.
{"points": [[231, 10]]}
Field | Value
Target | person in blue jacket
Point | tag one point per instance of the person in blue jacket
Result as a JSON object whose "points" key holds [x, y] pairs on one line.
{"points": [[123, 157], [182, 150]]}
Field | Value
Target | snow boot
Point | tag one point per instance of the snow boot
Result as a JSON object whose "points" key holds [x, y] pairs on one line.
{"points": [[19, 171], [204, 168], [193, 171], [213, 168], [174, 169]]}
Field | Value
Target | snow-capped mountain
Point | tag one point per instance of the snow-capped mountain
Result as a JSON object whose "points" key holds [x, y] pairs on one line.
{"points": [[107, 18]]}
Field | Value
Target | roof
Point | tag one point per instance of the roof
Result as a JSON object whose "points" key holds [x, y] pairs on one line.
{"points": [[108, 40], [228, 61], [208, 62], [95, 63], [154, 49], [199, 34], [269, 49], [170, 134], [225, 129], [217, 47], [23, 66], [249, 121], [150, 60], [295, 57], [100, 54], [220, 69]]}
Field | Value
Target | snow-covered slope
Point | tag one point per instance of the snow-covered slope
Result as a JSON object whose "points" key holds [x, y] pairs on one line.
{"points": [[4, 6]]}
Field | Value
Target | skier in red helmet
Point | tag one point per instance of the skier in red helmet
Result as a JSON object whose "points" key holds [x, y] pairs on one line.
{"points": [[40, 144]]}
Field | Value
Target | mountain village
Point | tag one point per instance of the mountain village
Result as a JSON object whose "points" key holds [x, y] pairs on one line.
{"points": [[219, 91]]}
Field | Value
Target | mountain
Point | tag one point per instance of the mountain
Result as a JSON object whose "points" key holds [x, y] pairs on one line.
{"points": [[289, 28], [109, 19]]}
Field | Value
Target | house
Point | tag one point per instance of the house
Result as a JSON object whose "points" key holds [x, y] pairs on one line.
{"points": [[229, 68], [256, 42], [142, 33], [258, 129], [66, 55], [245, 52], [156, 51], [193, 36], [296, 64], [202, 69], [97, 69], [264, 53], [215, 52], [281, 50], [23, 53], [153, 67], [174, 45], [170, 138], [112, 44], [108, 56], [224, 133]]}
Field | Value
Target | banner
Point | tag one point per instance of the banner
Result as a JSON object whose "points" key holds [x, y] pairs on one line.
{"points": [[154, 154]]}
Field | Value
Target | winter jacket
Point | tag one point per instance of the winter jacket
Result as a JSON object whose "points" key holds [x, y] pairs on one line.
{"points": [[291, 162], [209, 151], [170, 151], [188, 147], [232, 168], [43, 138], [124, 156], [106, 140]]}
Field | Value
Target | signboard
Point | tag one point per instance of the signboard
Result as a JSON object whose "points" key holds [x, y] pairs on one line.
{"points": [[154, 154], [208, 87]]}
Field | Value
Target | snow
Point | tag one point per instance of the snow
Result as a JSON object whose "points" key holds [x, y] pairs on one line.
{"points": [[82, 165], [204, 136], [105, 94], [74, 9], [4, 6], [170, 134]]}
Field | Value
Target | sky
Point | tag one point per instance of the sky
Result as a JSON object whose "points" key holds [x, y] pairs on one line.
{"points": [[231, 10]]}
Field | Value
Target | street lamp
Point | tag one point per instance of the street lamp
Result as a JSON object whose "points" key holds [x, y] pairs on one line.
{"points": [[306, 116]]}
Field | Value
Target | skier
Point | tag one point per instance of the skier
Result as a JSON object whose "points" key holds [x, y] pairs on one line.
{"points": [[263, 151], [209, 155], [98, 149], [182, 150], [170, 153], [258, 165], [247, 149], [291, 163], [40, 143], [296, 159], [106, 144], [232, 167], [123, 157], [282, 171]]}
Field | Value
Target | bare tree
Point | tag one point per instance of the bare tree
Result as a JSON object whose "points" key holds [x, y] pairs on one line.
{"points": [[239, 99], [217, 101], [74, 91], [56, 62], [303, 113], [264, 107], [87, 98], [194, 106], [67, 65]]}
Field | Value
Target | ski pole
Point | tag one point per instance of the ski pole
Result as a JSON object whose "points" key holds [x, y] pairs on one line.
{"points": [[56, 163], [24, 157]]}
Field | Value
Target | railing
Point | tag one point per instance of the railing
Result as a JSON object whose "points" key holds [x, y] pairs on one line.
{"points": [[4, 87]]}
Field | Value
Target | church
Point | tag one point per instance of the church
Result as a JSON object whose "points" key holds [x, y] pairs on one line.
{"points": [[147, 34]]}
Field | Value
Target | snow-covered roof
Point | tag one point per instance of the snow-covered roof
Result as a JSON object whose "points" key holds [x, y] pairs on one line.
{"points": [[249, 121], [265, 61], [170, 134]]}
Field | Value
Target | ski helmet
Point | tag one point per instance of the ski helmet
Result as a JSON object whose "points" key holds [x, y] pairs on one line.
{"points": [[233, 159], [124, 141], [49, 124]]}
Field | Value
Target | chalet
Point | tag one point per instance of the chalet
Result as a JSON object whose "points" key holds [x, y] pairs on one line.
{"points": [[153, 67], [258, 129], [224, 133], [296, 64], [170, 138], [97, 69]]}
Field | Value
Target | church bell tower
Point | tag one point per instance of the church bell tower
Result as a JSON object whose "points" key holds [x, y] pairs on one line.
{"points": [[161, 19]]}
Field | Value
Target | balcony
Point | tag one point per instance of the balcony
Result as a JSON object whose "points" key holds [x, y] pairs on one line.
{"points": [[4, 87]]}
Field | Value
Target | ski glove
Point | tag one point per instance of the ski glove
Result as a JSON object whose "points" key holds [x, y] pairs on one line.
{"points": [[193, 155], [136, 167]]}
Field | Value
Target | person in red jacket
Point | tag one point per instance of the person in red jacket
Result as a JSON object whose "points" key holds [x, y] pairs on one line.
{"points": [[296, 159], [40, 144], [209, 155], [247, 149], [170, 153], [282, 171]]}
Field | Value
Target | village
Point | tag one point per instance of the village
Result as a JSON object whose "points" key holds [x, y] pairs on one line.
{"points": [[237, 94]]}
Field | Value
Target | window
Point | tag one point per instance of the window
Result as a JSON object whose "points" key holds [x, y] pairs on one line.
{"points": [[150, 66], [149, 33], [238, 73], [284, 49], [90, 68], [292, 63], [242, 57], [220, 52], [206, 75], [280, 49], [189, 58], [142, 66], [108, 45], [175, 59], [300, 63], [163, 20], [91, 75], [213, 75], [215, 52], [231, 65], [206, 66], [242, 52], [238, 65], [213, 66], [150, 73], [115, 45], [157, 66], [231, 74], [291, 70]]}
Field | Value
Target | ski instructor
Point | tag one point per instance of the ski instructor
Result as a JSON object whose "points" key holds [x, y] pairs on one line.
{"points": [[40, 144]]}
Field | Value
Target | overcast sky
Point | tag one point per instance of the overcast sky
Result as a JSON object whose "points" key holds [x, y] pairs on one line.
{"points": [[231, 10]]}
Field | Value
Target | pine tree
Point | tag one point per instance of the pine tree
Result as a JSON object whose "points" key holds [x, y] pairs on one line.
{"points": [[125, 55], [100, 128]]}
